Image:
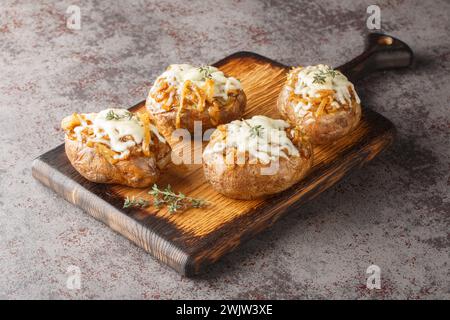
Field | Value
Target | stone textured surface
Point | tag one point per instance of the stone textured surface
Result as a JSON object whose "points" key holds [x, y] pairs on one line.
{"points": [[393, 213]]}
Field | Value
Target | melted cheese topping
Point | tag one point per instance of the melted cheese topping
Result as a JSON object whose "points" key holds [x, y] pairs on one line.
{"points": [[115, 132], [177, 74], [312, 79], [263, 138]]}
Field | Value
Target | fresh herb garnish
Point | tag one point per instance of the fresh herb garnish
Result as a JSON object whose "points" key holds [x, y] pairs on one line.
{"points": [[111, 115], [135, 203], [256, 131], [129, 115], [205, 71], [174, 201], [320, 76], [332, 73]]}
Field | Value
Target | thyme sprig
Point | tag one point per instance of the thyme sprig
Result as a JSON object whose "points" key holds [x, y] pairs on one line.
{"points": [[135, 203], [255, 131], [174, 201], [320, 76], [111, 115]]}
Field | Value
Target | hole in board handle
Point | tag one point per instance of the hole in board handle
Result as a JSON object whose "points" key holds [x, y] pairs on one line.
{"points": [[387, 41]]}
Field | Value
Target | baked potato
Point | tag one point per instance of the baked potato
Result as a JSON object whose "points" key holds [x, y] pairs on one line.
{"points": [[257, 157], [185, 94], [320, 100], [115, 146]]}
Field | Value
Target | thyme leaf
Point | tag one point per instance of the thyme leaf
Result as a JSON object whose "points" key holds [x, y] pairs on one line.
{"points": [[319, 78], [135, 203], [256, 131], [111, 115], [205, 71]]}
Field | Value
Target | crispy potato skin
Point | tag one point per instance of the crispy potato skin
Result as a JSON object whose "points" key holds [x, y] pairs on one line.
{"points": [[136, 171], [165, 121], [246, 182], [328, 127]]}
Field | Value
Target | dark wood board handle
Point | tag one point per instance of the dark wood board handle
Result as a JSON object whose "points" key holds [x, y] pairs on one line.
{"points": [[382, 52]]}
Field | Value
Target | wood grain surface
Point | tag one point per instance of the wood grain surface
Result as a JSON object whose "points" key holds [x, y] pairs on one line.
{"points": [[190, 240]]}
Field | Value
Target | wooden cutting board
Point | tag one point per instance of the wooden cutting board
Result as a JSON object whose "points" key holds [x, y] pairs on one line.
{"points": [[190, 240]]}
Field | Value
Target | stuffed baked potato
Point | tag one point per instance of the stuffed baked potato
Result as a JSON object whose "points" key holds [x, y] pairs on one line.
{"points": [[320, 100], [256, 157], [184, 94], [115, 146]]}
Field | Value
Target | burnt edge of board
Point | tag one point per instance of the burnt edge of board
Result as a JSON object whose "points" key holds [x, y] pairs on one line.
{"points": [[192, 262]]}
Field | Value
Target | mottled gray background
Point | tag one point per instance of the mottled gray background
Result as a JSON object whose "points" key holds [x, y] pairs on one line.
{"points": [[394, 212]]}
